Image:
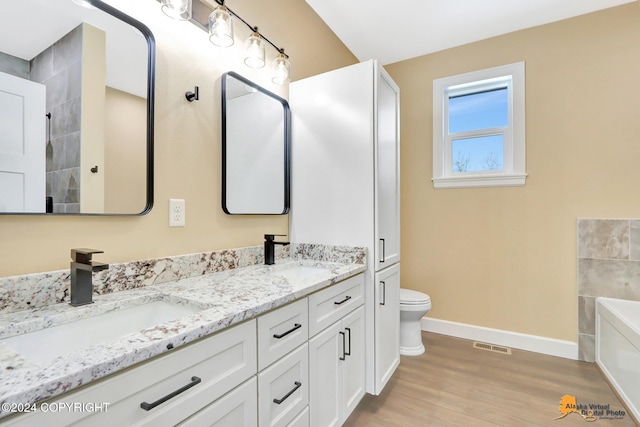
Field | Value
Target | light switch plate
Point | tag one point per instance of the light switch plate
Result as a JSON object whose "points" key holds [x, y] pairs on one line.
{"points": [[176, 213]]}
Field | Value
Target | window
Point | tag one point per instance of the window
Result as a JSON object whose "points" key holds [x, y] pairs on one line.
{"points": [[478, 128]]}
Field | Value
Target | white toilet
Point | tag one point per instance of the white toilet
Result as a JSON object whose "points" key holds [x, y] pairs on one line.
{"points": [[413, 306]]}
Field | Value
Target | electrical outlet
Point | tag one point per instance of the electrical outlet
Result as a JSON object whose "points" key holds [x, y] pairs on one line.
{"points": [[176, 213]]}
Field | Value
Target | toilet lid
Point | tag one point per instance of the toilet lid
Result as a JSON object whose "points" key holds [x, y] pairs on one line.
{"points": [[407, 296]]}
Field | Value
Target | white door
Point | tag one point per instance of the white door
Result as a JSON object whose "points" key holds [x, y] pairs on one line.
{"points": [[387, 200], [22, 145], [325, 351], [387, 328], [353, 364]]}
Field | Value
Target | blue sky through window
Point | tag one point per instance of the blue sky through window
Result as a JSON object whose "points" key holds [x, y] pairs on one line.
{"points": [[475, 111]]}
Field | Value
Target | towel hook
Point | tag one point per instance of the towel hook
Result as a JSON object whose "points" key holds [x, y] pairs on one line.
{"points": [[192, 96]]}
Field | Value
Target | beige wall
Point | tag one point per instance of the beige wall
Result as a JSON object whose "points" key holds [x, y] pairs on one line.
{"points": [[94, 64], [125, 182], [506, 257], [187, 146]]}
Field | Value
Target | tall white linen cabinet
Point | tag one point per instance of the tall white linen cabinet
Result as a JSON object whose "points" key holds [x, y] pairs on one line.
{"points": [[345, 189]]}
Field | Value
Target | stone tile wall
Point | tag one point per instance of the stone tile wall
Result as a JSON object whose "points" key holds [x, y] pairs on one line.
{"points": [[14, 66], [608, 266], [59, 68]]}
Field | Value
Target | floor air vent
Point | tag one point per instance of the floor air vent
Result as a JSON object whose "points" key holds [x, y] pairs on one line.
{"points": [[492, 347]]}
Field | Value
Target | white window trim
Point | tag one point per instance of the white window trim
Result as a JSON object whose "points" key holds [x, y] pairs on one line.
{"points": [[514, 173]]}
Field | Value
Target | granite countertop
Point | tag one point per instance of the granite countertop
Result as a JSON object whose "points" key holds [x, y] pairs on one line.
{"points": [[223, 298]]}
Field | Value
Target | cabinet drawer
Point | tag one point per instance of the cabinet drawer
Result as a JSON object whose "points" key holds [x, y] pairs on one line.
{"points": [[220, 362], [282, 330], [330, 304], [238, 408], [302, 420], [283, 389]]}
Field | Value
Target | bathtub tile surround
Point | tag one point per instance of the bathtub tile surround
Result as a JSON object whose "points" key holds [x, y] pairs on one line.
{"points": [[603, 238], [608, 266]]}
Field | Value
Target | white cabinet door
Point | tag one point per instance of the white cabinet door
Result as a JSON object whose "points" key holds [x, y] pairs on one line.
{"points": [[336, 370], [332, 160], [387, 172], [238, 408], [387, 324], [324, 377], [353, 363], [283, 389]]}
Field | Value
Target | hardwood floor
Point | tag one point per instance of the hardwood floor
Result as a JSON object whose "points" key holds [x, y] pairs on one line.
{"points": [[454, 384]]}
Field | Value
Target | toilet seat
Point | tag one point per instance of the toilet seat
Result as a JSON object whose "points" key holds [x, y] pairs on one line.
{"points": [[410, 297]]}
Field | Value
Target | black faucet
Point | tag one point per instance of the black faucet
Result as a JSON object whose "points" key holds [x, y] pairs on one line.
{"points": [[269, 247], [82, 267]]}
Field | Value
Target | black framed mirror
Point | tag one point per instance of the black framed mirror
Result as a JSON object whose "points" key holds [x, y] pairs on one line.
{"points": [[76, 109], [256, 147]]}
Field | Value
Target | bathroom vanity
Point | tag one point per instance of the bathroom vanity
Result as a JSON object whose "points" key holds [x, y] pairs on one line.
{"points": [[279, 345]]}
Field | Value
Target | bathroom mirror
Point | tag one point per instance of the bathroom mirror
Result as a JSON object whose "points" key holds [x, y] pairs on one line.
{"points": [[76, 109], [256, 141]]}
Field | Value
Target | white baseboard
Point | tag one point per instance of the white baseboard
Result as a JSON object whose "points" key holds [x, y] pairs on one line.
{"points": [[537, 344]]}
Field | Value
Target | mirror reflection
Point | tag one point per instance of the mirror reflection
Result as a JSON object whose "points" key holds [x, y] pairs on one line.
{"points": [[76, 109], [256, 129]]}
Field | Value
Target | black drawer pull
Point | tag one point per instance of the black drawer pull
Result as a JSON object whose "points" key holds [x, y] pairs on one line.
{"points": [[284, 334], [279, 401], [347, 298], [149, 406]]}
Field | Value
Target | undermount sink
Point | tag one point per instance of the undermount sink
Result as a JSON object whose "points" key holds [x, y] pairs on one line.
{"points": [[47, 344], [301, 272]]}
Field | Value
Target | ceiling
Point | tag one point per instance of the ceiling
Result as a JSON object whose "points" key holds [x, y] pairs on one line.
{"points": [[403, 29], [28, 27]]}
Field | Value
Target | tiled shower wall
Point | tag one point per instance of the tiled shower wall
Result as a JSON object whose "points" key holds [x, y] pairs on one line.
{"points": [[14, 66], [608, 266], [59, 68]]}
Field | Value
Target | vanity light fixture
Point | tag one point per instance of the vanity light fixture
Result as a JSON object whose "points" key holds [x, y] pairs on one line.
{"points": [[221, 27], [217, 21], [281, 69], [254, 46], [177, 9], [254, 50]]}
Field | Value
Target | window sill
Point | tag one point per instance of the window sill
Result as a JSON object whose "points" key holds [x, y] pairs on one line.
{"points": [[503, 180]]}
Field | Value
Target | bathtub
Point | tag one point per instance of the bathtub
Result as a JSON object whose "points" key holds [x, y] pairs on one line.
{"points": [[618, 348]]}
